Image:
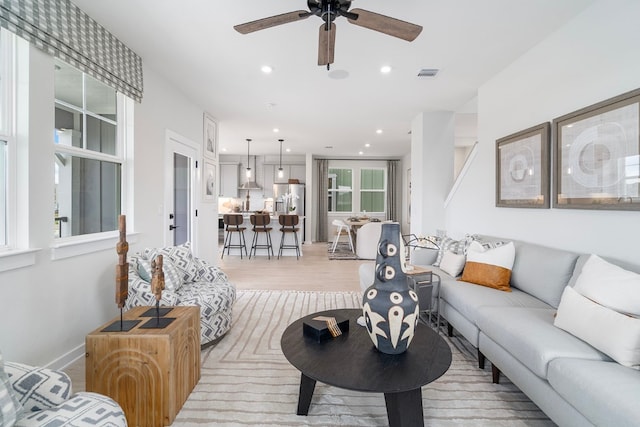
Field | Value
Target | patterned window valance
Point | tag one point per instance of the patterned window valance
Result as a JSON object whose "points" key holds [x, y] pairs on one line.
{"points": [[66, 32]]}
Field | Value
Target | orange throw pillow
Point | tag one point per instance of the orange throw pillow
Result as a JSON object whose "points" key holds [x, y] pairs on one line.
{"points": [[491, 268]]}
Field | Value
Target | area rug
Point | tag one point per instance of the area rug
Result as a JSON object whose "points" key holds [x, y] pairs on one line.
{"points": [[343, 251], [246, 380]]}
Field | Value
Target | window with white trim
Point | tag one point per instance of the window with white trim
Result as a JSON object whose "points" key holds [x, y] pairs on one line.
{"points": [[7, 173], [340, 190], [89, 154], [372, 190], [3, 193]]}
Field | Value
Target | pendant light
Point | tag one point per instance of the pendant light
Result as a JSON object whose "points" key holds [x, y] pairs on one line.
{"points": [[280, 170], [248, 171]]}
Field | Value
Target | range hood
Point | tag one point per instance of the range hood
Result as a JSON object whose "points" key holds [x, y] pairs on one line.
{"points": [[251, 184]]}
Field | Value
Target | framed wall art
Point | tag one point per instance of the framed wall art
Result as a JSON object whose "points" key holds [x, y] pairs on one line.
{"points": [[209, 181], [210, 137], [597, 152], [522, 168]]}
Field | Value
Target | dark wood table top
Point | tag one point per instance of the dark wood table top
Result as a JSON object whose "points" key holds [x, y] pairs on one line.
{"points": [[351, 361]]}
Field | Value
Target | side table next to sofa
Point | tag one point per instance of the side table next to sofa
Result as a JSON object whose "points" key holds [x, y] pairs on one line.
{"points": [[149, 372]]}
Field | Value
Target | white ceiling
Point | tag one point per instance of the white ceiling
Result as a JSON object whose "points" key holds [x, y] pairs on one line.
{"points": [[193, 45]]}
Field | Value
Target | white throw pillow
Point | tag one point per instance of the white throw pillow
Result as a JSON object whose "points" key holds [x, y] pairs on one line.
{"points": [[452, 263], [613, 333], [610, 285]]}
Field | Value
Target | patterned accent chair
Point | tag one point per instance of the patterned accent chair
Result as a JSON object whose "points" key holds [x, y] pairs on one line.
{"points": [[31, 396], [189, 281]]}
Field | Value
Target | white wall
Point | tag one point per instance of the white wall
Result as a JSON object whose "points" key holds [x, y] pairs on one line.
{"points": [[164, 108], [47, 309], [432, 145], [592, 58]]}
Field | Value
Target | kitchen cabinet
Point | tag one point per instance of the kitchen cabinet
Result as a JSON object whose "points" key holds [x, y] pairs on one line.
{"points": [[290, 172], [229, 179]]}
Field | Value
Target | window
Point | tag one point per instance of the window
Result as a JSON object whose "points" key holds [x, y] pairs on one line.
{"points": [[357, 187], [3, 193], [89, 155], [340, 190], [372, 190], [7, 170]]}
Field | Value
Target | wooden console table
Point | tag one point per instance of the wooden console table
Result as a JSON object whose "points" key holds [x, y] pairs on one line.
{"points": [[149, 372]]}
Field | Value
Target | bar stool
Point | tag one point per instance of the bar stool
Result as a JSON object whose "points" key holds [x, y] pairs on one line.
{"points": [[233, 223], [288, 223], [341, 226], [260, 222]]}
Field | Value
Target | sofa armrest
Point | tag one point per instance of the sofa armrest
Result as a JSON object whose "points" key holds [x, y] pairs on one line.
{"points": [[423, 256], [210, 273], [38, 388]]}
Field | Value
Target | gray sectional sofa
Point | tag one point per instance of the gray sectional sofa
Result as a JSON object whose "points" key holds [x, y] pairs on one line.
{"points": [[572, 382]]}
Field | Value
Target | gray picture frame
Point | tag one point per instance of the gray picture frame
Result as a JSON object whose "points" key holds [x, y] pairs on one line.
{"points": [[597, 155], [522, 168], [209, 137], [209, 182]]}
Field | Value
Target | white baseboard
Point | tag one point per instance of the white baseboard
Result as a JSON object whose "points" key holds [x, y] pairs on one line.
{"points": [[68, 358]]}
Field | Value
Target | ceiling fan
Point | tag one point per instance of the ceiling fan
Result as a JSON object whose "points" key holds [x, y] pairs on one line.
{"points": [[328, 11]]}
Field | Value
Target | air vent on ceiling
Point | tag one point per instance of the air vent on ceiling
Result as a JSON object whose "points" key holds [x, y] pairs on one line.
{"points": [[428, 72]]}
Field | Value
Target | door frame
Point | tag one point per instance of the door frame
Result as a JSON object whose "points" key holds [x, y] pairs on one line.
{"points": [[176, 143]]}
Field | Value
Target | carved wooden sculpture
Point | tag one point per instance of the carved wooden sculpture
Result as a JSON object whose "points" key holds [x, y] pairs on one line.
{"points": [[122, 269], [157, 278]]}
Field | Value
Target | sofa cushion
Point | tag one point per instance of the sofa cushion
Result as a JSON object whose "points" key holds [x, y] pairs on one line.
{"points": [[528, 335], [613, 333], [610, 286], [467, 298], [39, 388], [10, 408], [604, 392], [489, 267], [542, 271]]}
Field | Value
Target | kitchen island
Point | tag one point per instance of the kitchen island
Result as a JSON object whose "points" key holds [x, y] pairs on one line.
{"points": [[276, 236]]}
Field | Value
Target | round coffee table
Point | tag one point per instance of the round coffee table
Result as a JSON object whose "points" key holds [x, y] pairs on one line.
{"points": [[351, 361]]}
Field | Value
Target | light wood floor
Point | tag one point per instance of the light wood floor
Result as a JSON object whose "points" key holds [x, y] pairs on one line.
{"points": [[312, 272]]}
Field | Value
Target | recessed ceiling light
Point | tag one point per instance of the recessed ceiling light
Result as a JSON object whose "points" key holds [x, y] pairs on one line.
{"points": [[288, 150], [385, 69], [361, 152], [367, 145], [379, 131], [224, 149], [266, 69], [276, 130]]}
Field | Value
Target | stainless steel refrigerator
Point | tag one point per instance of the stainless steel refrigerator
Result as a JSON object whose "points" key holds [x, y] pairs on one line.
{"points": [[295, 193]]}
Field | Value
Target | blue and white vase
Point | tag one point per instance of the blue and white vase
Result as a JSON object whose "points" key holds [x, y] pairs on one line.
{"points": [[389, 306]]}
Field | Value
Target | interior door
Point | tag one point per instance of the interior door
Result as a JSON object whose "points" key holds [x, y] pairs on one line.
{"points": [[180, 210]]}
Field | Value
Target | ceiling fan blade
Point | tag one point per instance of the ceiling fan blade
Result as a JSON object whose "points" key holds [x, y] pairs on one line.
{"points": [[326, 44], [385, 24], [272, 21]]}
